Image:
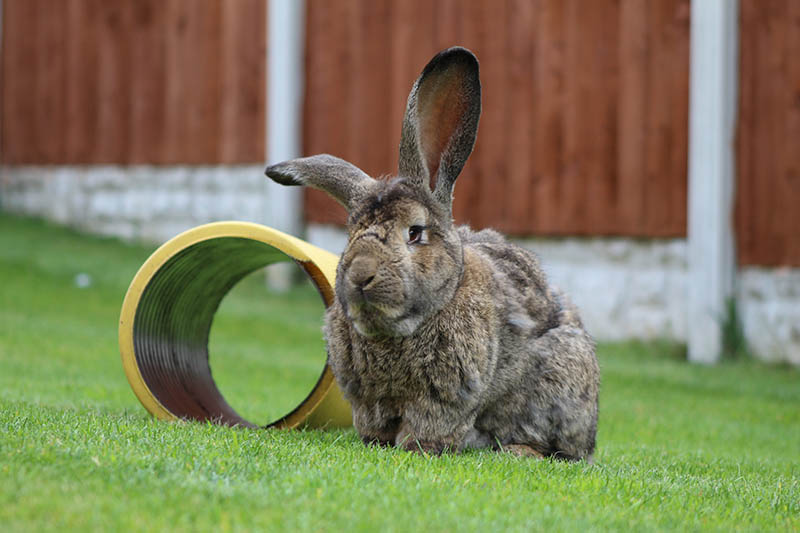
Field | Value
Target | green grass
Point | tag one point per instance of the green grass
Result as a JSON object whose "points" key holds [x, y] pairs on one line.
{"points": [[264, 359], [679, 447]]}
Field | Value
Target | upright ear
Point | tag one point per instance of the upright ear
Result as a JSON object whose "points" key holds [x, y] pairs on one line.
{"points": [[441, 121], [345, 182]]}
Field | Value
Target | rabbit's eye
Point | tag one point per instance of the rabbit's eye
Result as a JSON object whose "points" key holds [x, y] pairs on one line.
{"points": [[415, 234]]}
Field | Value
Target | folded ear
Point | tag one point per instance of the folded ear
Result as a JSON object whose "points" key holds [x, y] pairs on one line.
{"points": [[441, 121], [345, 182]]}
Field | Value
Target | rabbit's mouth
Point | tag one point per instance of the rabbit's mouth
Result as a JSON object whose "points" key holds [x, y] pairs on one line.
{"points": [[375, 319], [371, 318]]}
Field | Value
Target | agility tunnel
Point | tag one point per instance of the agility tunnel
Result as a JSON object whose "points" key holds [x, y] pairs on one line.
{"points": [[169, 309]]}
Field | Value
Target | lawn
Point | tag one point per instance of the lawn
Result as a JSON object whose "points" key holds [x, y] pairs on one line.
{"points": [[679, 446]]}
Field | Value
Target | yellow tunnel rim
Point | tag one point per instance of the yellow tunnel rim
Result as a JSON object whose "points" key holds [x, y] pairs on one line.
{"points": [[296, 249]]}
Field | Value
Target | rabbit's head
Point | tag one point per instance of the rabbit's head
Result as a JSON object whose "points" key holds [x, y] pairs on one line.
{"points": [[404, 259]]}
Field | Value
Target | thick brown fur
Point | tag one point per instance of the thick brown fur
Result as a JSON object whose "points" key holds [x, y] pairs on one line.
{"points": [[440, 337]]}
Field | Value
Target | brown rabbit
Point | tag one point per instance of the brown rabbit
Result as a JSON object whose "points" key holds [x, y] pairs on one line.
{"points": [[443, 338]]}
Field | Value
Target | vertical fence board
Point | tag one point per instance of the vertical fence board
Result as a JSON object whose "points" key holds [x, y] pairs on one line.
{"points": [[791, 181], [327, 78], [113, 81], [202, 64], [19, 79], [48, 92], [633, 90], [548, 149], [519, 113], [413, 29], [745, 152], [667, 117], [493, 159], [147, 80], [81, 84], [369, 23]]}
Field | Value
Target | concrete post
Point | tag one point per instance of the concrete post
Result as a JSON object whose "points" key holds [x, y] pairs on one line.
{"points": [[712, 127], [285, 75]]}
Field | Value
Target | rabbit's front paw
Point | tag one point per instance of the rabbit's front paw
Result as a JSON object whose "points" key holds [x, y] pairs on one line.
{"points": [[375, 424], [382, 439], [419, 442], [522, 450], [423, 446]]}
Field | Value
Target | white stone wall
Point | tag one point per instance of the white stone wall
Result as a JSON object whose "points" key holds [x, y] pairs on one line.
{"points": [[625, 288], [769, 304], [145, 203], [638, 288]]}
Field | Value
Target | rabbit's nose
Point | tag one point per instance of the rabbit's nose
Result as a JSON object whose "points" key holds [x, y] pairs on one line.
{"points": [[362, 271]]}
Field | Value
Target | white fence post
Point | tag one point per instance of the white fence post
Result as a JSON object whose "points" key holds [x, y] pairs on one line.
{"points": [[285, 76], [1, 102], [712, 125]]}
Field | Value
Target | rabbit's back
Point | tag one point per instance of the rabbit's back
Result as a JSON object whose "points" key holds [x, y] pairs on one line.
{"points": [[544, 392], [531, 307]]}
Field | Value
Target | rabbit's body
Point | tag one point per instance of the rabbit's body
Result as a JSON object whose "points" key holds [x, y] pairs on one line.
{"points": [[440, 337], [506, 361]]}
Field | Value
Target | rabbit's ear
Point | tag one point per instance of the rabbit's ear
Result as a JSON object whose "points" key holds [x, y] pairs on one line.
{"points": [[441, 121], [345, 182]]}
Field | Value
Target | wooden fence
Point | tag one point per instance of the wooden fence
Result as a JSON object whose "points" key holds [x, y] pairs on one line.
{"points": [[145, 81], [584, 130], [584, 106]]}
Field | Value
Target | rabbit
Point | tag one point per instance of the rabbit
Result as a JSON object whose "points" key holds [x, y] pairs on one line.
{"points": [[443, 338]]}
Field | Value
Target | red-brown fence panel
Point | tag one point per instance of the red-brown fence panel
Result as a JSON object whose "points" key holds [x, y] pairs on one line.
{"points": [[768, 186], [133, 81], [585, 106]]}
